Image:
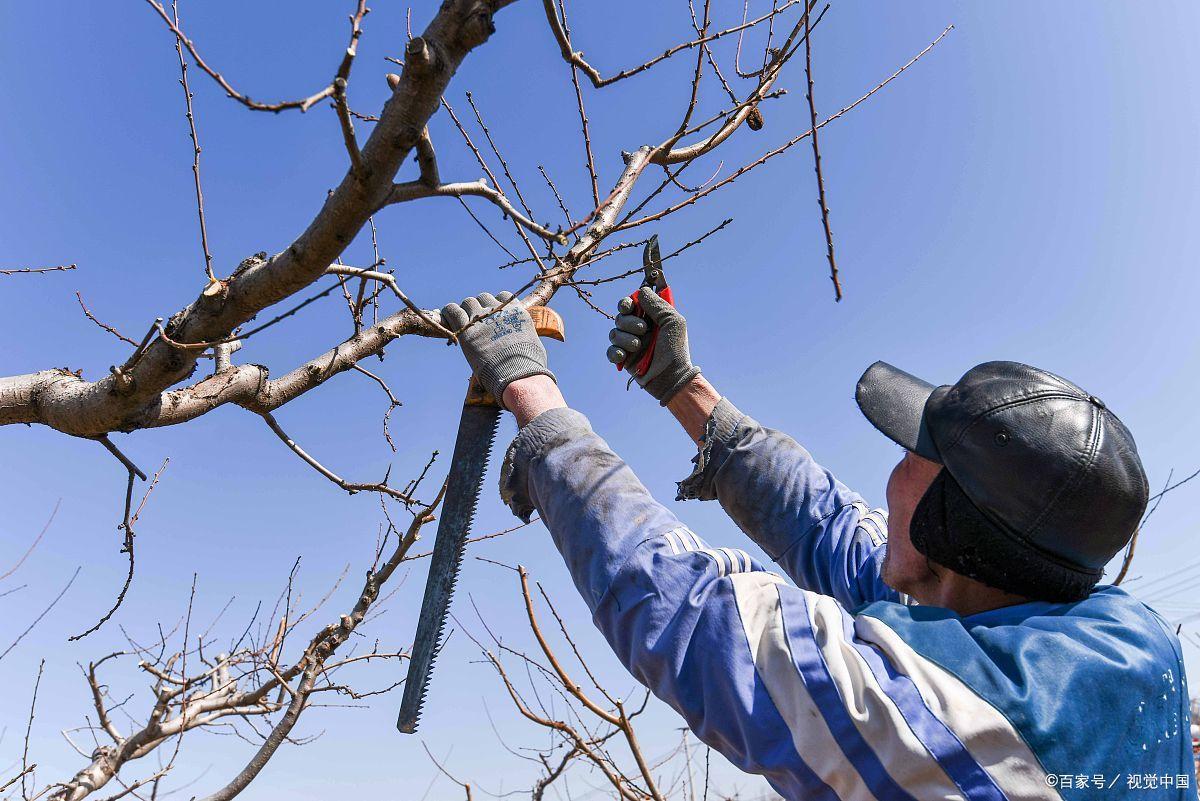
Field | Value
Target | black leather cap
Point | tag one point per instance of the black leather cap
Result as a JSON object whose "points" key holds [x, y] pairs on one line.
{"points": [[1048, 464]]}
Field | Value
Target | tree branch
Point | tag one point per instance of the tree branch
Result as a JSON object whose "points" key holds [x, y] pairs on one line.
{"points": [[576, 58], [348, 486], [191, 118], [183, 702], [785, 146], [416, 190], [62, 268], [812, 116], [70, 404], [304, 104], [343, 113], [88, 314]]}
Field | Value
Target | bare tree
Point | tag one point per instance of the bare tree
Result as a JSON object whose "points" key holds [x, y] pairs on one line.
{"points": [[181, 367], [196, 684], [583, 728], [149, 388], [591, 732]]}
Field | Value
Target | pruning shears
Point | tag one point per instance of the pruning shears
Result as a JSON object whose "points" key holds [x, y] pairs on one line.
{"points": [[653, 277]]}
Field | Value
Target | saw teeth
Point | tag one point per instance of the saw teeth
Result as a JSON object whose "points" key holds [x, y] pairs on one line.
{"points": [[436, 601]]}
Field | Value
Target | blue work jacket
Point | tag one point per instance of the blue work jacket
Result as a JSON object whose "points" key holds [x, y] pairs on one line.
{"points": [[834, 687]]}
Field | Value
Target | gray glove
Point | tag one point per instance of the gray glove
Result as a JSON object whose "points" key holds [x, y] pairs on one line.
{"points": [[501, 348], [671, 366]]}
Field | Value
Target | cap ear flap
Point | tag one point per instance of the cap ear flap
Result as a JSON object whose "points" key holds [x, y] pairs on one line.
{"points": [[947, 528], [928, 517]]}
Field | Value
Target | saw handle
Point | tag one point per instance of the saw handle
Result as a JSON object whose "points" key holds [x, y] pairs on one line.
{"points": [[644, 358], [548, 323]]}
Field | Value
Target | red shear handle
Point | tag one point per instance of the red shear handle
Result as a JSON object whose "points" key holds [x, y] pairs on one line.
{"points": [[647, 354]]}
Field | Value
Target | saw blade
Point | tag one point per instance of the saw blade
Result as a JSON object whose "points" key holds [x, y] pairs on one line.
{"points": [[476, 431]]}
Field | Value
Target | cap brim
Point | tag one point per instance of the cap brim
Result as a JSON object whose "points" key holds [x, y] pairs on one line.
{"points": [[894, 402]]}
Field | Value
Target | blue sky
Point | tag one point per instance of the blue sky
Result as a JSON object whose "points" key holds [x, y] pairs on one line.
{"points": [[1027, 191]]}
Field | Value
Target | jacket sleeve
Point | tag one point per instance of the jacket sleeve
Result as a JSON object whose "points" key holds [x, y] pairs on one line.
{"points": [[774, 677], [821, 533]]}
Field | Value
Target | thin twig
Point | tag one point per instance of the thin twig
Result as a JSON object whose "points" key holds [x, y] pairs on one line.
{"points": [[339, 90], [87, 313], [488, 231], [557, 196], [417, 190], [136, 356], [238, 336], [127, 524], [576, 58], [245, 100], [390, 281], [562, 627], [495, 149], [360, 301], [470, 540], [708, 54], [784, 147], [673, 177], [146, 496], [737, 53], [618, 719], [676, 252], [1171, 487], [562, 25], [699, 71], [18, 777], [191, 118], [770, 38], [30, 270], [465, 785], [122, 458], [44, 612], [481, 188], [812, 116], [1157, 498], [349, 486], [745, 112], [34, 544], [412, 486], [25, 768], [392, 402]]}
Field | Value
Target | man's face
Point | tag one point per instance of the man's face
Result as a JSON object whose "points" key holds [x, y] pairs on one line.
{"points": [[905, 569]]}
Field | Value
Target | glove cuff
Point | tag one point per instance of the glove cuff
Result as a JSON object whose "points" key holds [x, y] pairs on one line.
{"points": [[682, 381], [539, 371], [512, 364]]}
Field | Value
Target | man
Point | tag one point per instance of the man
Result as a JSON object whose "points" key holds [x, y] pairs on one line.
{"points": [[957, 647]]}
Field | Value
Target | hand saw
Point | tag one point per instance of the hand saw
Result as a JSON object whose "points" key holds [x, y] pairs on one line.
{"points": [[476, 431]]}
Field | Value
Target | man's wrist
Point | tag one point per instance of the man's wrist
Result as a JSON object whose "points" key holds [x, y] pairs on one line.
{"points": [[528, 397], [693, 405]]}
